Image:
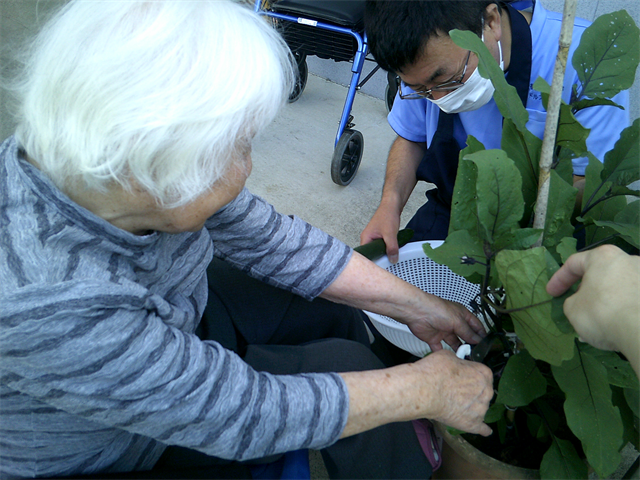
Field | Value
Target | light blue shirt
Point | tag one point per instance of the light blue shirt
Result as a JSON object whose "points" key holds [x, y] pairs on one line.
{"points": [[417, 120]]}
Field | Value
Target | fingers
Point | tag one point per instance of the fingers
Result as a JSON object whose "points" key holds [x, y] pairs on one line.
{"points": [[568, 274], [465, 332], [483, 430], [367, 236], [392, 247]]}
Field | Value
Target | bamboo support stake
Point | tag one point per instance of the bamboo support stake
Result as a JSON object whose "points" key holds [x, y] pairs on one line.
{"points": [[553, 113]]}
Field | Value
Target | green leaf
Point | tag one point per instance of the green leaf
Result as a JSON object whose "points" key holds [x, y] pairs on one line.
{"points": [[463, 202], [557, 311], [562, 461], [450, 253], [494, 413], [521, 381], [593, 102], [594, 186], [524, 275], [524, 149], [506, 96], [618, 190], [562, 199], [622, 162], [552, 418], [605, 211], [630, 428], [571, 134], [633, 400], [499, 203], [626, 223], [590, 412], [607, 56], [619, 371], [537, 428], [518, 240], [566, 248]]}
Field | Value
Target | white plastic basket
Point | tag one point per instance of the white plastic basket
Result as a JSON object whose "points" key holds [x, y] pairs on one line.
{"points": [[416, 268]]}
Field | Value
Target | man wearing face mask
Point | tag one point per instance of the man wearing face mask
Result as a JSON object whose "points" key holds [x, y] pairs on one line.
{"points": [[442, 99]]}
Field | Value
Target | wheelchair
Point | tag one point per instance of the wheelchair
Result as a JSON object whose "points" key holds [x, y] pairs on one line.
{"points": [[329, 29]]}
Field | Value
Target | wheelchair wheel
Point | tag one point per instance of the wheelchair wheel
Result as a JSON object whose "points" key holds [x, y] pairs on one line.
{"points": [[346, 157], [301, 77], [390, 91]]}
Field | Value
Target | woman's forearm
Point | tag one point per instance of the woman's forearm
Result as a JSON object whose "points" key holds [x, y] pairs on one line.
{"points": [[440, 386]]}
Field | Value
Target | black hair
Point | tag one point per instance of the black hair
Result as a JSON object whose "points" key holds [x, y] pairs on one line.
{"points": [[398, 30]]}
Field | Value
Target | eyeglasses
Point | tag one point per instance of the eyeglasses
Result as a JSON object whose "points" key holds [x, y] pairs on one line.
{"points": [[443, 87]]}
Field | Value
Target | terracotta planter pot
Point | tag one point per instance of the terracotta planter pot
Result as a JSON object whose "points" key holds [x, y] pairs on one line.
{"points": [[462, 460]]}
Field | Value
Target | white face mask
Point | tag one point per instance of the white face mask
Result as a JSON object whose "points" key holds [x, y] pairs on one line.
{"points": [[475, 92]]}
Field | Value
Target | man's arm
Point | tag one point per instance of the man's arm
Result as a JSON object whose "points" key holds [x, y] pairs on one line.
{"points": [[400, 180]]}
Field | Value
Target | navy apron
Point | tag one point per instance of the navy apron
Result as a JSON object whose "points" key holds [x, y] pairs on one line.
{"points": [[440, 163]]}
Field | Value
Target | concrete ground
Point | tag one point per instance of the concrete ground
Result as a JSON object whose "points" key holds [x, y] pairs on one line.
{"points": [[292, 161]]}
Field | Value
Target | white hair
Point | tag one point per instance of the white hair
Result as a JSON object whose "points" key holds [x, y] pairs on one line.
{"points": [[157, 93]]}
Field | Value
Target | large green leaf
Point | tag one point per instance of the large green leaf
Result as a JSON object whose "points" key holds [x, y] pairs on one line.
{"points": [[622, 162], [632, 395], [566, 248], [506, 96], [593, 102], [457, 245], [619, 371], [571, 133], [590, 412], [626, 223], [604, 211], [626, 413], [518, 239], [524, 275], [607, 56], [524, 149], [521, 381], [562, 461], [561, 202], [594, 186], [499, 201], [463, 202]]}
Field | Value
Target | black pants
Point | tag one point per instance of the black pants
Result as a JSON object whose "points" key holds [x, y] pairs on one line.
{"points": [[280, 333]]}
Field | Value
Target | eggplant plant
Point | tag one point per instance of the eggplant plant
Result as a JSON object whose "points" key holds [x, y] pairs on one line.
{"points": [[556, 396]]}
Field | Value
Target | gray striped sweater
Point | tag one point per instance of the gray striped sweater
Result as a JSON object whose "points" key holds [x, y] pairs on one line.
{"points": [[99, 366]]}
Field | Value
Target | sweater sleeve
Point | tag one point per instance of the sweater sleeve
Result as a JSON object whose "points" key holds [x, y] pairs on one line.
{"points": [[106, 352], [283, 251]]}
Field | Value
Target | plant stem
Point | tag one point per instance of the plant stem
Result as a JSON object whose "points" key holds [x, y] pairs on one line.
{"points": [[553, 112], [594, 245]]}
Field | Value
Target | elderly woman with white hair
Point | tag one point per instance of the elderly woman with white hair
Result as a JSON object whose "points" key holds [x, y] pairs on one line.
{"points": [[124, 179]]}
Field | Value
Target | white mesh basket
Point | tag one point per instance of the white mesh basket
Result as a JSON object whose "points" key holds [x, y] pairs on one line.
{"points": [[418, 269]]}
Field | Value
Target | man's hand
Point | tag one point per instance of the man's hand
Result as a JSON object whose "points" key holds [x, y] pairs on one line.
{"points": [[384, 224], [400, 180], [605, 311]]}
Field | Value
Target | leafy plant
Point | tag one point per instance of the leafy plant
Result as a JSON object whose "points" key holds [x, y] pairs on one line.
{"points": [[545, 369]]}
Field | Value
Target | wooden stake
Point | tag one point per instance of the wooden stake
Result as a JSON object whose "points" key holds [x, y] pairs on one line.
{"points": [[553, 113]]}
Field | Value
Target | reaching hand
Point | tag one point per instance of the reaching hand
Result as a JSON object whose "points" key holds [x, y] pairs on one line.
{"points": [[464, 390], [449, 322], [384, 224], [607, 302]]}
